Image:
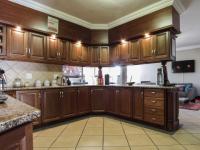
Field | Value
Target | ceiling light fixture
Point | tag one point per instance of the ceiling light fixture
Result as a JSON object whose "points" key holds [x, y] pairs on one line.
{"points": [[78, 43], [53, 36], [123, 41], [18, 28], [146, 35]]}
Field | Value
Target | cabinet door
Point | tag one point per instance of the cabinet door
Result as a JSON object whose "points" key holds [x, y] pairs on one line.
{"points": [[124, 52], [17, 43], [2, 40], [69, 102], [37, 46], [162, 49], [125, 104], [138, 104], [75, 53], [63, 50], [83, 101], [85, 55], [147, 49], [112, 101], [31, 98], [52, 49], [97, 99], [104, 55], [51, 105], [95, 55], [115, 54], [134, 51]]}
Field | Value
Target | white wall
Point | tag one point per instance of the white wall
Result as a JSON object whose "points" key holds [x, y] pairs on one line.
{"points": [[148, 72]]}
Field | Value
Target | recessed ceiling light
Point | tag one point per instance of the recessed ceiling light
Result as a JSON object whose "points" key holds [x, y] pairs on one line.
{"points": [[123, 41], [147, 35], [18, 28]]}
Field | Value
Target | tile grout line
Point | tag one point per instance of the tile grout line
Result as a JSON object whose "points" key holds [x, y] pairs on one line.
{"points": [[81, 134], [125, 135], [103, 134], [150, 138], [57, 137]]}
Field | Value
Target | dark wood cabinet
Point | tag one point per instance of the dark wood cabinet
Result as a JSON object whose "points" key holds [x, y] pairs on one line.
{"points": [[125, 102], [124, 52], [85, 55], [134, 51], [37, 46], [98, 99], [51, 109], [115, 54], [52, 49], [69, 102], [95, 53], [104, 55], [32, 98], [63, 50], [83, 100], [147, 48], [17, 43], [3, 40], [138, 104]]}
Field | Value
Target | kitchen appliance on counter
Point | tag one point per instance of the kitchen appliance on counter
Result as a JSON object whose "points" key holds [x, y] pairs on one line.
{"points": [[17, 83], [160, 79], [46, 83], [38, 83], [3, 97]]}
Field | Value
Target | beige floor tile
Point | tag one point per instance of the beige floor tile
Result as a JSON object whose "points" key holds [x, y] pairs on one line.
{"points": [[132, 130], [193, 129], [192, 147], [97, 124], [115, 141], [197, 135], [171, 147], [113, 131], [116, 148], [72, 131], [70, 141], [160, 139], [143, 148], [186, 139], [155, 131], [61, 149], [112, 124], [40, 148], [93, 131], [139, 139], [89, 148], [90, 141], [43, 141], [50, 132]]}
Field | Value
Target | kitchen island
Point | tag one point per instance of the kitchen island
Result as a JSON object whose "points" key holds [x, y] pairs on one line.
{"points": [[148, 104], [16, 125]]}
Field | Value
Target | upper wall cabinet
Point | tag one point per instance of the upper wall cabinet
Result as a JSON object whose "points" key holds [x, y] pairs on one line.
{"points": [[134, 51], [79, 54], [57, 50], [23, 45], [158, 47], [2, 40], [99, 55]]}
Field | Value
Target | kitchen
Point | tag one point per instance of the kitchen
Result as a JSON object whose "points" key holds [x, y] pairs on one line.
{"points": [[66, 85]]}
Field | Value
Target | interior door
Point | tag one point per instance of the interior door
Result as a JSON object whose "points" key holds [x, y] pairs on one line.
{"points": [[37, 46], [17, 43]]}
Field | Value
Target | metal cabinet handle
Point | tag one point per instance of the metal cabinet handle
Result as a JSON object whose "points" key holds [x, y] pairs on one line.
{"points": [[153, 110], [29, 51], [153, 92], [26, 50], [153, 101], [153, 119]]}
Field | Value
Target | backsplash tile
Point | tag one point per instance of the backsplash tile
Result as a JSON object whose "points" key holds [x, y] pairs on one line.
{"points": [[39, 71]]}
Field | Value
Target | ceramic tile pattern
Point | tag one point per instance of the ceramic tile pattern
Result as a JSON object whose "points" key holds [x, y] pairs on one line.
{"points": [[19, 69], [108, 133]]}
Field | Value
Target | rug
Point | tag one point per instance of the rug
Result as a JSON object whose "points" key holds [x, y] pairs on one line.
{"points": [[195, 105]]}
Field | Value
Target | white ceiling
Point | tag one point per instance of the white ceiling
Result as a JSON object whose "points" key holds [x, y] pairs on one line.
{"points": [[97, 11], [105, 14]]}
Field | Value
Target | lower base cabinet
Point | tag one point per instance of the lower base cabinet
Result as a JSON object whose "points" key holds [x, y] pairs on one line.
{"points": [[98, 99], [51, 107], [138, 104], [32, 98], [69, 102]]}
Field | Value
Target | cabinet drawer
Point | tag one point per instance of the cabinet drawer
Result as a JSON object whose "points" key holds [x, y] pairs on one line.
{"points": [[154, 102], [154, 93], [154, 119], [153, 111]]}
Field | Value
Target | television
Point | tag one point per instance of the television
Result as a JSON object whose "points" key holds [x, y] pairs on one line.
{"points": [[183, 66]]}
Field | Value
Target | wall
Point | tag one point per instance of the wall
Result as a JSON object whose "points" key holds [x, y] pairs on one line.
{"points": [[148, 72], [14, 69]]}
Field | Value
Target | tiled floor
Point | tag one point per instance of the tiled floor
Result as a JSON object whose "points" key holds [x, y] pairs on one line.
{"points": [[107, 133]]}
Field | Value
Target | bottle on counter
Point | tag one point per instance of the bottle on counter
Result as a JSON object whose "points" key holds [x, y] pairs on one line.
{"points": [[160, 78], [100, 76]]}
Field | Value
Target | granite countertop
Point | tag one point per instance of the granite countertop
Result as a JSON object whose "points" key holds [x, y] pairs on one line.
{"points": [[86, 85], [14, 113]]}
